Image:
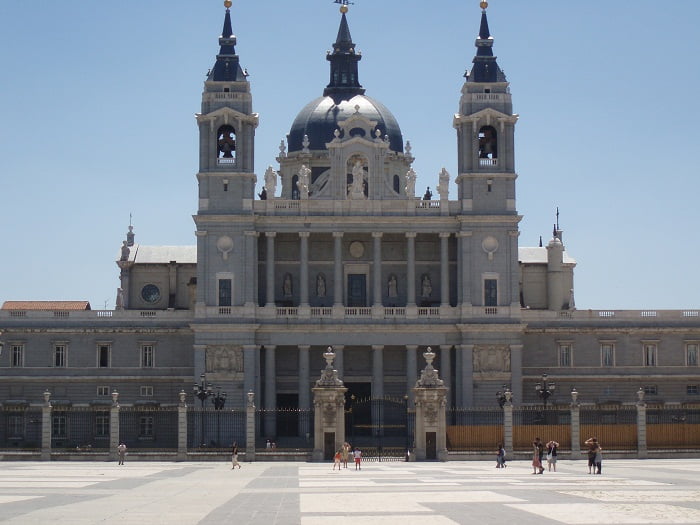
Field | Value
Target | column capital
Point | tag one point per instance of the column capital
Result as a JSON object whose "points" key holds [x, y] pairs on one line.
{"points": [[269, 347], [201, 233], [251, 234], [464, 234], [304, 234], [410, 235], [411, 347], [514, 233], [304, 347], [445, 235], [377, 347], [270, 234], [377, 235], [338, 234]]}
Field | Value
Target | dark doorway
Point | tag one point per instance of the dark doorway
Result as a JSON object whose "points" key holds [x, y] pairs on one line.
{"points": [[430, 445], [328, 445], [358, 409], [287, 415], [357, 289]]}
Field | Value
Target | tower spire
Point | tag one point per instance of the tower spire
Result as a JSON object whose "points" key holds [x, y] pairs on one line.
{"points": [[344, 82], [227, 67], [485, 66]]}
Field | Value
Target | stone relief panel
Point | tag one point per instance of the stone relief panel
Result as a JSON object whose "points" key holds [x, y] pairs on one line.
{"points": [[491, 359], [224, 361]]}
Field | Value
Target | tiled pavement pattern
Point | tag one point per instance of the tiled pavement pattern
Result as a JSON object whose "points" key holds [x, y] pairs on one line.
{"points": [[77, 493]]}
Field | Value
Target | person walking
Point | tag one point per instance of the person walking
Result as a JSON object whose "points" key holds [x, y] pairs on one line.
{"points": [[501, 457], [234, 456], [357, 454], [345, 454], [599, 458], [552, 447], [537, 455], [592, 444], [121, 451]]}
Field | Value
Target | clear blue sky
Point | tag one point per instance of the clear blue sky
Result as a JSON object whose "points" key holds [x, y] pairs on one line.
{"points": [[98, 103]]}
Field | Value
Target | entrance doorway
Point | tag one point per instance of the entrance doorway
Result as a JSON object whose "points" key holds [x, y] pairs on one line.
{"points": [[357, 289]]}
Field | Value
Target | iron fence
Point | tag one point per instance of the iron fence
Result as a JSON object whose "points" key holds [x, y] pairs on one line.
{"points": [[615, 426], [216, 430], [673, 428], [474, 429], [285, 428], [20, 428], [549, 424], [152, 428], [79, 428]]}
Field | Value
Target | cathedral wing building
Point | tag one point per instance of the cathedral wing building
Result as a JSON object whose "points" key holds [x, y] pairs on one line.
{"points": [[335, 246]]}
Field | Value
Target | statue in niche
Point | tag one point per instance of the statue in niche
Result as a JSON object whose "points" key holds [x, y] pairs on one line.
{"points": [[303, 182], [287, 285], [411, 183], [358, 181], [392, 287], [119, 305], [270, 181], [320, 285], [426, 286]]}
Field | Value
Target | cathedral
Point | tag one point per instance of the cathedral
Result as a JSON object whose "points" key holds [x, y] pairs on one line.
{"points": [[334, 247]]}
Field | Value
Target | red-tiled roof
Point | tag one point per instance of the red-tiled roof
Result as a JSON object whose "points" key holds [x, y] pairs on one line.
{"points": [[46, 305]]}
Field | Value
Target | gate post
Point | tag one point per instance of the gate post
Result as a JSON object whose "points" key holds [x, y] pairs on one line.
{"points": [[431, 421], [329, 411], [114, 426], [641, 425], [508, 421], [182, 427], [575, 425], [46, 427], [250, 427]]}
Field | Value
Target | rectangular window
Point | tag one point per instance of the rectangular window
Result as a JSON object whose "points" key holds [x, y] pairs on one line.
{"points": [[15, 426], [490, 292], [146, 427], [102, 391], [146, 356], [564, 354], [146, 391], [58, 427], [651, 390], [224, 292], [691, 354], [607, 354], [691, 390], [649, 354], [59, 356], [104, 352], [102, 425], [17, 355]]}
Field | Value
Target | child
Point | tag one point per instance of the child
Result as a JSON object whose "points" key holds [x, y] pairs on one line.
{"points": [[357, 454], [501, 457], [336, 460]]}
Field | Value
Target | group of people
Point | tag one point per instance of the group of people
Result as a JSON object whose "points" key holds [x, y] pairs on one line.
{"points": [[538, 455], [343, 454], [595, 455]]}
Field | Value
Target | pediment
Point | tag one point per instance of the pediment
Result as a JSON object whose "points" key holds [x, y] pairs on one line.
{"points": [[488, 115], [227, 115]]}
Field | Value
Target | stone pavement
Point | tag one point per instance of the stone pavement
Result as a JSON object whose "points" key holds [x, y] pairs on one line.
{"points": [[82, 493]]}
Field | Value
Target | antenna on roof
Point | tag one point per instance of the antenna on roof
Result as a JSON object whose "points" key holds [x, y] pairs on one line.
{"points": [[557, 217]]}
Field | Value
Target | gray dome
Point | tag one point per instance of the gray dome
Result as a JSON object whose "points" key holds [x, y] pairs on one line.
{"points": [[319, 120]]}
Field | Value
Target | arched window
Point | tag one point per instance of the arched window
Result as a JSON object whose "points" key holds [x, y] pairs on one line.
{"points": [[226, 142], [488, 143], [397, 184]]}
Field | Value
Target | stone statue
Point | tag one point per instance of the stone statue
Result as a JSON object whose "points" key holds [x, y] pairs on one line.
{"points": [[320, 285], [410, 183], [270, 181], [426, 286], [287, 285], [392, 287], [119, 305], [303, 182], [444, 184], [125, 252], [428, 194], [358, 179], [263, 195]]}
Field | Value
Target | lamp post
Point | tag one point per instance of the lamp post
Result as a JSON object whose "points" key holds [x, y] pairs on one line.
{"points": [[219, 400], [203, 392], [504, 396], [545, 389]]}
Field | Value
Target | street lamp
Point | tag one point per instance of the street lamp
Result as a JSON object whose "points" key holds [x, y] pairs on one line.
{"points": [[203, 392], [545, 389], [218, 399]]}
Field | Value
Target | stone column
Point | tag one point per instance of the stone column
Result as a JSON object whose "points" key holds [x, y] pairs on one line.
{"points": [[377, 273], [516, 373], [114, 426], [411, 269], [304, 387], [444, 270], [466, 375], [508, 422], [329, 411], [339, 363], [304, 270], [250, 354], [338, 274], [250, 426], [431, 419], [270, 402], [411, 373], [641, 425], [465, 281], [575, 426], [46, 428], [270, 269], [446, 370], [182, 427], [251, 272]]}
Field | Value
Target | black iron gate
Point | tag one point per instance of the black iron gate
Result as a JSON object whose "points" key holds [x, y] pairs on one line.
{"points": [[383, 428]]}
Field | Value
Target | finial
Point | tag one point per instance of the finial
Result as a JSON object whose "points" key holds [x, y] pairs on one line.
{"points": [[228, 4], [343, 5], [484, 5]]}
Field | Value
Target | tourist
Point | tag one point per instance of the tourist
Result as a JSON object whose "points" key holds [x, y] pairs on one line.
{"points": [[234, 456], [592, 444], [501, 456], [345, 454], [357, 454], [538, 453], [121, 450], [336, 459], [552, 447]]}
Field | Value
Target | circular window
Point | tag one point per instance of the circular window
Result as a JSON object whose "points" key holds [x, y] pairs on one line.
{"points": [[150, 293]]}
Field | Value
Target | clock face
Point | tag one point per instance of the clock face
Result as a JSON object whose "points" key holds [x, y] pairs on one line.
{"points": [[150, 293]]}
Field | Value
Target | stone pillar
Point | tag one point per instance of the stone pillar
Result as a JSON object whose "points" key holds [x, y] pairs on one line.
{"points": [[250, 355], [446, 370], [466, 375], [508, 422], [411, 270], [114, 426], [304, 270], [377, 272], [339, 362], [250, 426], [444, 270], [431, 420], [46, 428], [575, 426], [329, 411], [338, 273], [251, 272], [465, 281], [516, 373], [641, 425], [182, 427], [304, 388], [270, 269], [270, 401], [411, 373]]}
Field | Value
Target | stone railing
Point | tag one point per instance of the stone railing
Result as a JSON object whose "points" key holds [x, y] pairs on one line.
{"points": [[400, 207]]}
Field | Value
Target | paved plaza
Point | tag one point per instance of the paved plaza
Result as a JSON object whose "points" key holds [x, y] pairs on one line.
{"points": [[82, 493]]}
